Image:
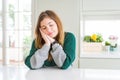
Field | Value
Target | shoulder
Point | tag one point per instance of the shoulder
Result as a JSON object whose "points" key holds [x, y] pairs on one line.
{"points": [[69, 41], [33, 43], [69, 35]]}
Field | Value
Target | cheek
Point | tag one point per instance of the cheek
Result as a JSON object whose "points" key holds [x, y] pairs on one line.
{"points": [[44, 31], [56, 30]]}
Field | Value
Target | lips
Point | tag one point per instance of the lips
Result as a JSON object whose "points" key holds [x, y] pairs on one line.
{"points": [[50, 34]]}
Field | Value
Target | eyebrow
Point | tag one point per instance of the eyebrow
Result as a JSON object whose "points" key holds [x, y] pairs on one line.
{"points": [[47, 24]]}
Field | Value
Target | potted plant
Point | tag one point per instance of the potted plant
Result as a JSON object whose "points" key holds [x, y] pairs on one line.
{"points": [[107, 46], [92, 43], [93, 38], [113, 40]]}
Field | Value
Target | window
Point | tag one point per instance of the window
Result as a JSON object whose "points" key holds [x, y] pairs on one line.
{"points": [[104, 24], [100, 16], [15, 25]]}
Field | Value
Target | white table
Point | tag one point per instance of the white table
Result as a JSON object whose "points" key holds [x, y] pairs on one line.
{"points": [[23, 73]]}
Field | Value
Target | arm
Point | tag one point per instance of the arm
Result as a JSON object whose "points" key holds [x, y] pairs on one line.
{"points": [[64, 57], [58, 54], [37, 57]]}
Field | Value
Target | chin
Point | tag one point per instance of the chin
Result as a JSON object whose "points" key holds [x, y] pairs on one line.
{"points": [[51, 36]]}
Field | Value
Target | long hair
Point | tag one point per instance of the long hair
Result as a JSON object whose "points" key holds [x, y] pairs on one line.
{"points": [[39, 42]]}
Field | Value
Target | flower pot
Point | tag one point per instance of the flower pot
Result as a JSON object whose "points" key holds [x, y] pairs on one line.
{"points": [[92, 47], [107, 48]]}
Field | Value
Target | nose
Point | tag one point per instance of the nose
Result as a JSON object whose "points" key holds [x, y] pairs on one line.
{"points": [[48, 29]]}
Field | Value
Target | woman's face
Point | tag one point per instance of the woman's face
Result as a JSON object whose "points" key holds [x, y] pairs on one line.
{"points": [[49, 27]]}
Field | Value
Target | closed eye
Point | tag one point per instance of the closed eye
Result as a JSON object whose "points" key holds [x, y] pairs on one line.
{"points": [[43, 27], [50, 25]]}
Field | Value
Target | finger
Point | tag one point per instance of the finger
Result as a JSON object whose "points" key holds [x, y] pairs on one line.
{"points": [[45, 37], [40, 31], [43, 34], [50, 39]]}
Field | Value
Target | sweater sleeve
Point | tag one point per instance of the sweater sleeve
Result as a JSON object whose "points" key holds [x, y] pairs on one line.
{"points": [[64, 56], [37, 57], [58, 54], [69, 48]]}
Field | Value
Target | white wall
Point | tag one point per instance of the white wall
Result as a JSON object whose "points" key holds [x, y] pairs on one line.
{"points": [[92, 5], [68, 11]]}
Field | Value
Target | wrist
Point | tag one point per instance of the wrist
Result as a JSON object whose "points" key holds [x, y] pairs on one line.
{"points": [[54, 42], [48, 44]]}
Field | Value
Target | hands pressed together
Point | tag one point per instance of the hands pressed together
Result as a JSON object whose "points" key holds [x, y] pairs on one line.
{"points": [[48, 40]]}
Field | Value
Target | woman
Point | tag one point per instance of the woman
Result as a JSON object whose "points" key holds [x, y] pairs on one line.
{"points": [[51, 46]]}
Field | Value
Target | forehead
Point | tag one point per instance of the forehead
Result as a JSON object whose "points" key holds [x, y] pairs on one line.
{"points": [[46, 21]]}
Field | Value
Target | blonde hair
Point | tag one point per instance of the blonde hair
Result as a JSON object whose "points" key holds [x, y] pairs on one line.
{"points": [[39, 42]]}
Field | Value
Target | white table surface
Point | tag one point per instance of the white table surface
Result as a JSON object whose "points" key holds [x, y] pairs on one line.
{"points": [[23, 73]]}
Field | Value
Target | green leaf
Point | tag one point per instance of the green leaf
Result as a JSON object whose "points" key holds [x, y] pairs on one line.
{"points": [[87, 38]]}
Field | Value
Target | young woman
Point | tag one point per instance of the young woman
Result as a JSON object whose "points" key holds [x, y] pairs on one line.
{"points": [[51, 46]]}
